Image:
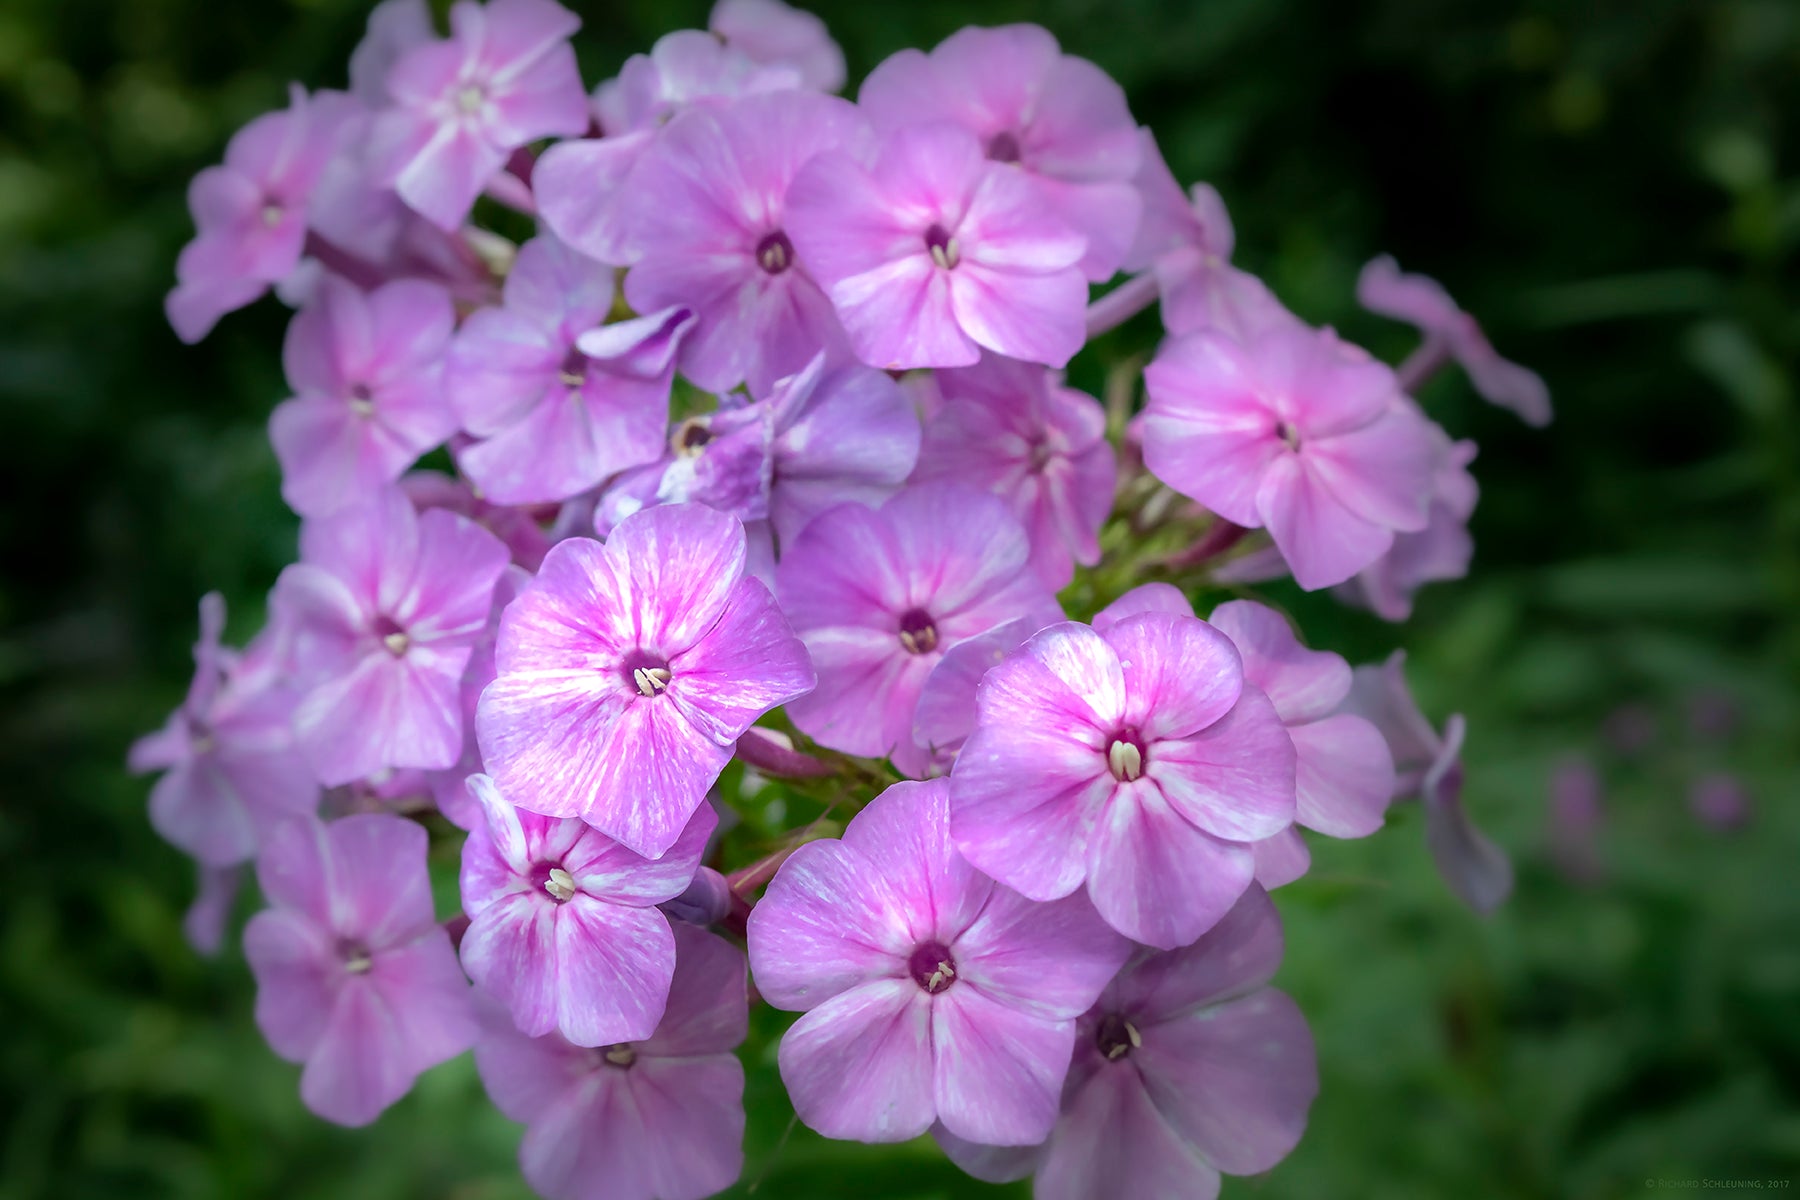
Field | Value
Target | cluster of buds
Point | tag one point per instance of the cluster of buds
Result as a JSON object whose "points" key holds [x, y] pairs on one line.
{"points": [[762, 451]]}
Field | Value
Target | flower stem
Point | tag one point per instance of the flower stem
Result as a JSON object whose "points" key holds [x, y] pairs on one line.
{"points": [[1121, 304]]}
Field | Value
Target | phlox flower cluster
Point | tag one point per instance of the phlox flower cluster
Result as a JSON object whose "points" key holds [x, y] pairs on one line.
{"points": [[698, 448]]}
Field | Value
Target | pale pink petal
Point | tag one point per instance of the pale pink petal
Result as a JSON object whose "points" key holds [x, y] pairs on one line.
{"points": [[746, 664], [1303, 684], [827, 923], [359, 1065], [1281, 859], [904, 834], [296, 976], [860, 1067], [1112, 1142], [998, 1071], [613, 966], [1344, 775], [709, 1004], [1181, 675], [1155, 877], [1323, 541], [1235, 778], [1051, 960], [1235, 957], [1032, 315]]}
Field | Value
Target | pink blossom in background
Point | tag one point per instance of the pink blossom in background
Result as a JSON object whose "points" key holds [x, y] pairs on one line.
{"points": [[710, 206], [394, 27], [1720, 801], [366, 370], [1185, 240], [354, 976], [1190, 1067], [1134, 760], [204, 922], [1440, 551], [1295, 431], [930, 992], [1429, 765], [1575, 819], [1060, 121], [933, 252], [516, 526], [1281, 859], [656, 1119], [559, 399], [776, 34], [1384, 288], [230, 767], [564, 928], [627, 672], [379, 617], [250, 212], [1014, 429], [505, 77], [878, 596]]}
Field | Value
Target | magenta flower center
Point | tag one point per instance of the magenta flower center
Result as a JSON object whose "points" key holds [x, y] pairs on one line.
{"points": [[690, 437], [775, 253], [551, 878], [1125, 756], [1003, 147], [932, 967], [362, 400], [918, 632], [1286, 431], [1116, 1037], [354, 955], [619, 1054], [648, 674], [573, 372], [942, 245], [392, 635], [1041, 454]]}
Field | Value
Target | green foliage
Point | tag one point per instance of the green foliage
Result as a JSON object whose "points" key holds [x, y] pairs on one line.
{"points": [[1615, 189]]}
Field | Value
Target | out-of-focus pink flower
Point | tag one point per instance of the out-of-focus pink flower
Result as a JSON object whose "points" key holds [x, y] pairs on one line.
{"points": [[1135, 760], [1059, 120], [1575, 819], [1190, 1067], [504, 78], [379, 617], [936, 252], [354, 976], [628, 671], [1296, 431], [516, 526], [560, 400], [231, 771], [250, 213], [395, 27], [710, 204], [204, 922], [1719, 800], [1440, 551], [930, 991], [1429, 765], [1012, 428], [564, 928], [878, 596], [657, 1119], [777, 35], [368, 392], [1383, 288], [1186, 240]]}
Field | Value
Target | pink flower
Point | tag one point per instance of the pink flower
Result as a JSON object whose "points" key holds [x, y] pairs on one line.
{"points": [[1429, 765], [930, 992], [878, 595], [628, 671], [250, 213], [772, 33], [1013, 429], [1189, 1067], [203, 924], [394, 27], [1295, 431], [231, 771], [380, 615], [937, 252], [564, 928], [505, 77], [354, 977], [1438, 552], [656, 1119], [1383, 288], [584, 188], [1186, 240], [367, 375], [560, 399], [1059, 121], [1344, 775], [1133, 759], [710, 204]]}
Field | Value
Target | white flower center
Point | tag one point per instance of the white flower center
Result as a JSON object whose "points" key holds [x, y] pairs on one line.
{"points": [[1125, 759], [560, 885], [470, 98], [650, 680]]}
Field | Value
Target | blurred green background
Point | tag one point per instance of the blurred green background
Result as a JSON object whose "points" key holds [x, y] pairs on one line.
{"points": [[1614, 188]]}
